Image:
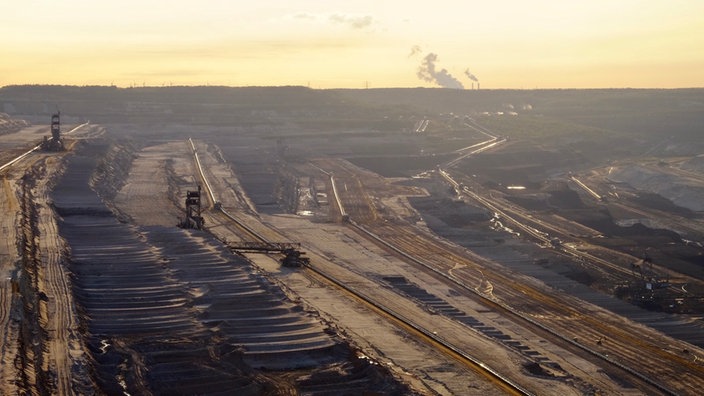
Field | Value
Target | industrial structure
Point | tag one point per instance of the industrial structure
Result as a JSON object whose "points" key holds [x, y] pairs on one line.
{"points": [[193, 217], [292, 255], [55, 143]]}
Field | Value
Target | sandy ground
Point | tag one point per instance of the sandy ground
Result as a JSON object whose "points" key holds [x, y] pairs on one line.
{"points": [[341, 251], [11, 255], [9, 265], [137, 198], [220, 292], [66, 360], [144, 294], [347, 254], [415, 363], [37, 304]]}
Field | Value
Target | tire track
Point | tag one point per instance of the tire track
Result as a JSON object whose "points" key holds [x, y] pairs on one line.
{"points": [[9, 257], [61, 324]]}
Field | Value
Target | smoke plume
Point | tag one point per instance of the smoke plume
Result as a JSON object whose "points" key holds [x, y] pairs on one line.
{"points": [[415, 50], [470, 76], [428, 72]]}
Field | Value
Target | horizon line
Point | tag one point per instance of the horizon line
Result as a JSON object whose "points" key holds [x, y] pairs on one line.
{"points": [[337, 88]]}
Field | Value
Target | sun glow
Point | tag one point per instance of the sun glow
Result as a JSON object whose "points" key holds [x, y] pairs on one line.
{"points": [[543, 44]]}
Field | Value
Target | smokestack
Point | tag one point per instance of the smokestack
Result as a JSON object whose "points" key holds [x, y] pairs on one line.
{"points": [[472, 86], [472, 77]]}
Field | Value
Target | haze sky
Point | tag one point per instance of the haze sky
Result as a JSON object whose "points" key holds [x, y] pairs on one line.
{"points": [[354, 44]]}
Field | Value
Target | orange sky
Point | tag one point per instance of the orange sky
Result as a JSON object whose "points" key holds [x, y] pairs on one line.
{"points": [[505, 44]]}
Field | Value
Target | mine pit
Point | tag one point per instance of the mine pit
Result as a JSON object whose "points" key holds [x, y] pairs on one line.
{"points": [[535, 255]]}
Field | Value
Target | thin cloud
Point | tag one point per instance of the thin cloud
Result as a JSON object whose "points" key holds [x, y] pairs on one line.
{"points": [[355, 22], [305, 16]]}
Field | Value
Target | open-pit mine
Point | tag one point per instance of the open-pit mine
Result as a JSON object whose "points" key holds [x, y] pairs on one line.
{"points": [[289, 241]]}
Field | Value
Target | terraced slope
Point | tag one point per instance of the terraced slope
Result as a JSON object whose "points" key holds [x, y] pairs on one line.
{"points": [[167, 310]]}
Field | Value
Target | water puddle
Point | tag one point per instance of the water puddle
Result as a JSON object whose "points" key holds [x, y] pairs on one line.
{"points": [[104, 345]]}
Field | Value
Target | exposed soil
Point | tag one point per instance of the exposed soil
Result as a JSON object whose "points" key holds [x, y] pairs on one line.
{"points": [[124, 302], [166, 310]]}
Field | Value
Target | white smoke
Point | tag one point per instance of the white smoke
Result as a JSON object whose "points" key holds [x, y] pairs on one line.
{"points": [[427, 72]]}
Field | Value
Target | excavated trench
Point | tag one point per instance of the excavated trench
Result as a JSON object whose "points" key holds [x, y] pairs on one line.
{"points": [[166, 310], [32, 334]]}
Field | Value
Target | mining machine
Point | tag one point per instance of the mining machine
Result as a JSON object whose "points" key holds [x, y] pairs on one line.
{"points": [[193, 218], [292, 255], [55, 142]]}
